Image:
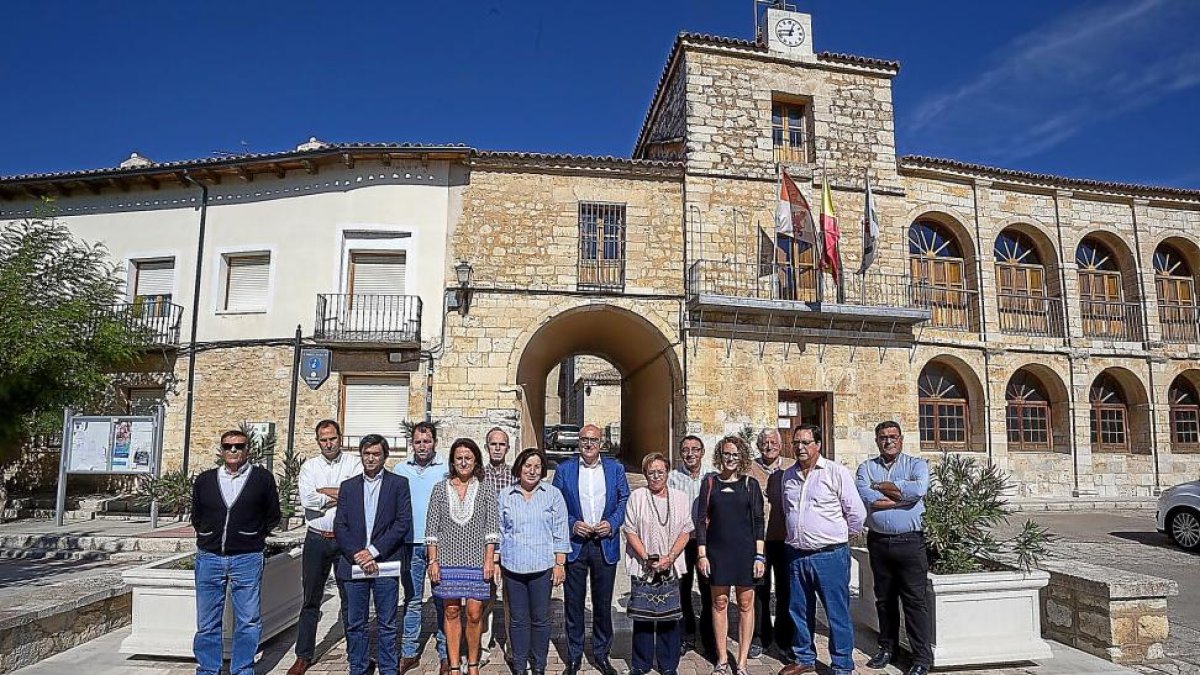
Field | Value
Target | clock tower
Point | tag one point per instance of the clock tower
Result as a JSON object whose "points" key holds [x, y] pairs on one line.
{"points": [[786, 31]]}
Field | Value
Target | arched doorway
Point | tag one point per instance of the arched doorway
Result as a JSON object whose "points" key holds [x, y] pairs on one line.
{"points": [[1028, 296], [648, 367], [941, 275], [1176, 285]]}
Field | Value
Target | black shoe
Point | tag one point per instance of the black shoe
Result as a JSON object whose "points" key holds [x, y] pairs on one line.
{"points": [[881, 659], [635, 671], [918, 670], [756, 650], [605, 667], [573, 668]]}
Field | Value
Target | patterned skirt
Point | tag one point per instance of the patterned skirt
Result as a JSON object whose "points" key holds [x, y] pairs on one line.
{"points": [[463, 582]]}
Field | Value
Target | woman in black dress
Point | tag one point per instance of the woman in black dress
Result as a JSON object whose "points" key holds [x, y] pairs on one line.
{"points": [[729, 535]]}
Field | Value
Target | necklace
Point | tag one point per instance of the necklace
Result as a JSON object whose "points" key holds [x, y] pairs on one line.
{"points": [[657, 515]]}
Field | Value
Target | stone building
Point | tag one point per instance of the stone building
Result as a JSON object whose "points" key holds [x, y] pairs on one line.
{"points": [[1047, 324]]}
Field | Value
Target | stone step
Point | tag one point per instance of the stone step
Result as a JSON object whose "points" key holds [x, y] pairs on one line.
{"points": [[77, 555], [105, 544], [1084, 504]]}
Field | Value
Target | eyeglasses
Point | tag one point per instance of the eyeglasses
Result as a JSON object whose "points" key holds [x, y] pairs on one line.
{"points": [[233, 446], [887, 439], [655, 473], [730, 455], [692, 451], [589, 441], [803, 442]]}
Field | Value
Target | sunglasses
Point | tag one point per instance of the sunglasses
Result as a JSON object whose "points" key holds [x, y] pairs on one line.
{"points": [[233, 446]]}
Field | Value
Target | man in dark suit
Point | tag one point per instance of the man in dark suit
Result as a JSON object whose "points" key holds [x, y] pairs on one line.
{"points": [[596, 490], [374, 518]]}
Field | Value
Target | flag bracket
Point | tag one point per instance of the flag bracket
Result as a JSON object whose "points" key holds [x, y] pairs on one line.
{"points": [[762, 344], [791, 337], [729, 340]]}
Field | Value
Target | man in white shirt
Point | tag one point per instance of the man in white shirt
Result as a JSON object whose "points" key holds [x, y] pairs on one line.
{"points": [[320, 478]]}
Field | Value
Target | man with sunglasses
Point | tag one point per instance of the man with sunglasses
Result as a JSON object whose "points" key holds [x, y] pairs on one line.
{"points": [[234, 507], [893, 487]]}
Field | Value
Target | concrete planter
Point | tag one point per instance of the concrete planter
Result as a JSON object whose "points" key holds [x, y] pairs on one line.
{"points": [[978, 618], [164, 604]]}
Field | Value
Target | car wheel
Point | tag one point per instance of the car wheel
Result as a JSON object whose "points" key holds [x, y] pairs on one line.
{"points": [[1184, 529]]}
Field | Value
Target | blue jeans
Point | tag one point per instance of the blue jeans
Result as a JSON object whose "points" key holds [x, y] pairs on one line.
{"points": [[242, 576], [529, 617], [414, 601], [823, 574], [386, 591]]}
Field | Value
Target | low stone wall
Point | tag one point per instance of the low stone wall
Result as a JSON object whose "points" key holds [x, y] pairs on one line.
{"points": [[28, 638], [1116, 615]]}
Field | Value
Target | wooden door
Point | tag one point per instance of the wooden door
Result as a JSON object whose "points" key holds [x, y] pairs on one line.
{"points": [[805, 407], [1177, 308], [1102, 303], [942, 286], [1022, 301]]}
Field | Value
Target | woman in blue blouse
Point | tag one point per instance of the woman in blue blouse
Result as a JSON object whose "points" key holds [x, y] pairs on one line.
{"points": [[534, 542]]}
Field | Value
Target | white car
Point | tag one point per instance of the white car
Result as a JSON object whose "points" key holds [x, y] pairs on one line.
{"points": [[1179, 514]]}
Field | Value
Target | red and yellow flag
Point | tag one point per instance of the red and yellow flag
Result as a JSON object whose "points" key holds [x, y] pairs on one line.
{"points": [[830, 235]]}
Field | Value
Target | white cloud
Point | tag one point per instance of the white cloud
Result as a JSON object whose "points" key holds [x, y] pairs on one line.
{"points": [[1051, 83]]}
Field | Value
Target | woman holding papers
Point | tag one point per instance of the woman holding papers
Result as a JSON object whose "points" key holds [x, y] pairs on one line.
{"points": [[461, 534]]}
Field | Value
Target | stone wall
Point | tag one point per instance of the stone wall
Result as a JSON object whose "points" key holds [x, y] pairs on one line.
{"points": [[667, 124]]}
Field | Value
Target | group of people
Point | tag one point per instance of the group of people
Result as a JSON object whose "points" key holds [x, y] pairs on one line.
{"points": [[479, 529]]}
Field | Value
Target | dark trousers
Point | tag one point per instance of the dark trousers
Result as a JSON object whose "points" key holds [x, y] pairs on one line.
{"points": [[385, 591], [319, 555], [690, 556], [901, 572], [780, 631], [656, 639], [528, 607], [590, 563]]}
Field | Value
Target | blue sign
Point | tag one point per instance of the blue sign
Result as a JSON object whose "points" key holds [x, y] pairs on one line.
{"points": [[314, 366]]}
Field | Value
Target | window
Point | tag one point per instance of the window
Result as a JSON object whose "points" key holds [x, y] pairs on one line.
{"points": [[153, 286], [789, 132], [1185, 416], [943, 409], [377, 273], [1027, 415], [1101, 298], [374, 405], [1024, 308], [1109, 415], [246, 282], [1176, 295], [601, 247], [142, 400], [939, 274]]}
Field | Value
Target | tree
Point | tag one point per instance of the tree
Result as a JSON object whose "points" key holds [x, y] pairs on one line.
{"points": [[60, 336]]}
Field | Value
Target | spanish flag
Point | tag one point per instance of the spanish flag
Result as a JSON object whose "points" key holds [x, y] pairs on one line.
{"points": [[830, 235]]}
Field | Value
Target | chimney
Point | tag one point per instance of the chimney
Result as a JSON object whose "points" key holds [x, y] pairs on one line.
{"points": [[136, 161]]}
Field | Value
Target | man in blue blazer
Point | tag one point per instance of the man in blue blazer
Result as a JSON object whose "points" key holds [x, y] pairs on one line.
{"points": [[374, 518], [596, 490]]}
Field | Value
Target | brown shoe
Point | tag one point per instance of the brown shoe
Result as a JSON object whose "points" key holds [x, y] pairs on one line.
{"points": [[444, 667], [408, 663], [299, 667]]}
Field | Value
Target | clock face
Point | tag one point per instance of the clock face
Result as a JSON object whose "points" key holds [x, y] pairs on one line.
{"points": [[790, 32]]}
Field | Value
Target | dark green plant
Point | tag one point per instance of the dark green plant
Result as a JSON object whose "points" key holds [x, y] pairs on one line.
{"points": [[964, 505], [407, 427], [748, 434], [289, 482], [172, 490]]}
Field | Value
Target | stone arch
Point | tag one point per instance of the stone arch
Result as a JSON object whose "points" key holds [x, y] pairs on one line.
{"points": [[1028, 283], [1137, 411], [651, 377], [1176, 263], [974, 396], [1125, 261], [1058, 399], [943, 264], [954, 222], [1183, 411]]}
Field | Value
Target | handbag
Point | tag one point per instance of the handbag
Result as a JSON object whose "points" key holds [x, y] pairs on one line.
{"points": [[654, 596]]}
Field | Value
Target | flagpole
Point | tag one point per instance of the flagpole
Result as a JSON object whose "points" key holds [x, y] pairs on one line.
{"points": [[819, 260]]}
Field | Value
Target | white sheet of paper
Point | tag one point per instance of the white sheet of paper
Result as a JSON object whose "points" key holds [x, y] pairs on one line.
{"points": [[386, 569]]}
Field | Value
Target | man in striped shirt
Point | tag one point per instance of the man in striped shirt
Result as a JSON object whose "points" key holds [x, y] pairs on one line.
{"points": [[499, 475]]}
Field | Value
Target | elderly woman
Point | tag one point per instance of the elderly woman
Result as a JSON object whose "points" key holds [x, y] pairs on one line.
{"points": [[461, 533], [658, 525], [534, 543], [730, 530]]}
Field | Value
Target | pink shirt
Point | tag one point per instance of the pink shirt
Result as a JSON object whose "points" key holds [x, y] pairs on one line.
{"points": [[823, 509], [644, 516]]}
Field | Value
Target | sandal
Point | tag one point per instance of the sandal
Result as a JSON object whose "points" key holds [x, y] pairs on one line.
{"points": [[721, 669], [473, 665]]}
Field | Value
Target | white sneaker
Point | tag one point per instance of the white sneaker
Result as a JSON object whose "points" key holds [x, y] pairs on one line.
{"points": [[485, 655]]}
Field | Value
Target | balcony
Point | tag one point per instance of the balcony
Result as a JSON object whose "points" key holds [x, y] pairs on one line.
{"points": [[1179, 323], [1116, 321], [1030, 315], [949, 308], [352, 319], [769, 301], [154, 320]]}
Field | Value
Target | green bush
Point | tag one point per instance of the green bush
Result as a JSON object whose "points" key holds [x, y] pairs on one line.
{"points": [[172, 491]]}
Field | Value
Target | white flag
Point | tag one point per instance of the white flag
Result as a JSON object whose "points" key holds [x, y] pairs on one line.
{"points": [[870, 230]]}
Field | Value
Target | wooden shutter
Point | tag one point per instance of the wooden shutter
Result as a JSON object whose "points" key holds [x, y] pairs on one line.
{"points": [[154, 278], [247, 281], [374, 405], [377, 273]]}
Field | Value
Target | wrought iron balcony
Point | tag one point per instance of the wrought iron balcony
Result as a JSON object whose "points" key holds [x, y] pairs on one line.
{"points": [[344, 318], [1117, 321], [154, 320], [949, 308], [1180, 323], [1030, 315]]}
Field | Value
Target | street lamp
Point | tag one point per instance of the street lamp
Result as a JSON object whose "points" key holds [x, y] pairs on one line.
{"points": [[463, 271]]}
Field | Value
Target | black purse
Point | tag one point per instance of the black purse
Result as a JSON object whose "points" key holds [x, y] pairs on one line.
{"points": [[655, 597]]}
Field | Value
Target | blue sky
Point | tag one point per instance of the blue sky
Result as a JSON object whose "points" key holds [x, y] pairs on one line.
{"points": [[1104, 89]]}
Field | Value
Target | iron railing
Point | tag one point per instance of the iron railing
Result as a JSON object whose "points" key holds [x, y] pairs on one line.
{"points": [[1120, 321], [950, 308], [1030, 315], [155, 321], [346, 317], [772, 281], [1179, 323]]}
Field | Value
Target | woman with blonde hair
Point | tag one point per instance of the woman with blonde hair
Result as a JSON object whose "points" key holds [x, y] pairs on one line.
{"points": [[730, 529]]}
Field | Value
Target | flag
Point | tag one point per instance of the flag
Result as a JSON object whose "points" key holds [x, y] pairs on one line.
{"points": [[870, 230], [793, 216], [829, 229]]}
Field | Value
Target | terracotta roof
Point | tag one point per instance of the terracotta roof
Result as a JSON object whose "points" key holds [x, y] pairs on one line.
{"points": [[752, 45], [921, 162]]}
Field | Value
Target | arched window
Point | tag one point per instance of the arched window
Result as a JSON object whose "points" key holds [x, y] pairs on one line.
{"points": [[1185, 416], [1028, 415], [939, 274], [1110, 415], [1024, 308], [1101, 299], [943, 409], [1176, 295]]}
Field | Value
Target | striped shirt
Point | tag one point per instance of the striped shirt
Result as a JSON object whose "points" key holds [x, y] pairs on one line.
{"points": [[681, 479], [499, 477], [531, 532]]}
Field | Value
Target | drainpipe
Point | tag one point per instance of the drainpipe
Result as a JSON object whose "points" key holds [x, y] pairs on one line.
{"points": [[191, 376]]}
